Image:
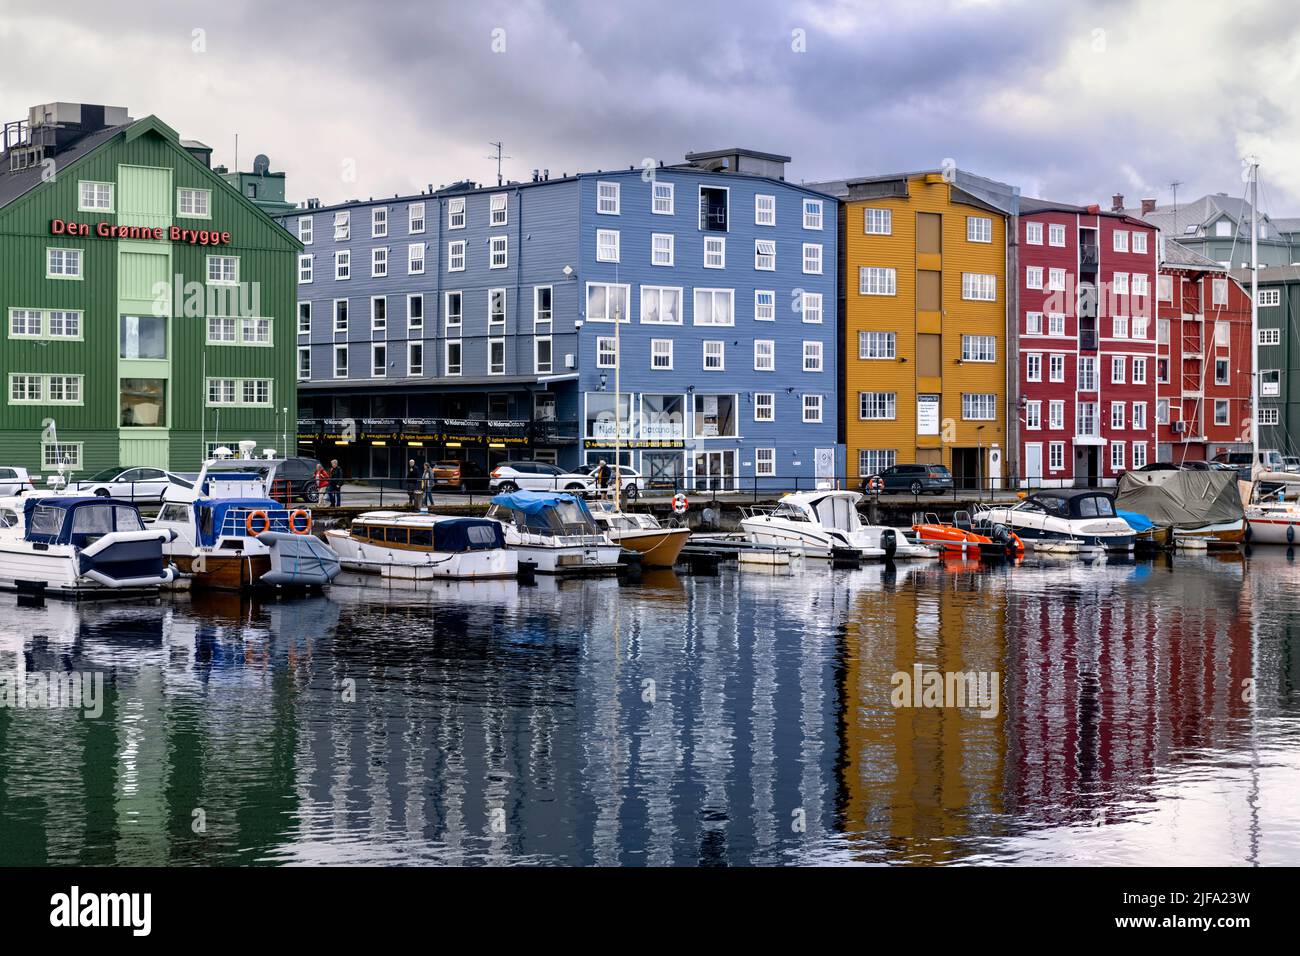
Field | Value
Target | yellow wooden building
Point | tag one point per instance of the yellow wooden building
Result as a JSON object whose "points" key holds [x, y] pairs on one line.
{"points": [[924, 317]]}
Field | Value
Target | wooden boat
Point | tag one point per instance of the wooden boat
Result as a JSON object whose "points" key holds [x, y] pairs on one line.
{"points": [[641, 532], [423, 547]]}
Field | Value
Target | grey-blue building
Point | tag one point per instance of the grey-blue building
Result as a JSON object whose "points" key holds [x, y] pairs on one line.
{"points": [[479, 323]]}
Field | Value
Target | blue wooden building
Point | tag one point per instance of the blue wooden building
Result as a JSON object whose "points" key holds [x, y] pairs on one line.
{"points": [[480, 323]]}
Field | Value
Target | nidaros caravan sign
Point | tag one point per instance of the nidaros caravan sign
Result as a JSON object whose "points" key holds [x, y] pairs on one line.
{"points": [[107, 230]]}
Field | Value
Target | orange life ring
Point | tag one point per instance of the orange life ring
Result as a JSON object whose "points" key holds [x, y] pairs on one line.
{"points": [[248, 522], [304, 513]]}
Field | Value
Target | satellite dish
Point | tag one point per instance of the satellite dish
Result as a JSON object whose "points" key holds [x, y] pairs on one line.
{"points": [[261, 165]]}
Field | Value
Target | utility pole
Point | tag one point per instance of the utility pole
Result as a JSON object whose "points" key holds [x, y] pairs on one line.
{"points": [[1174, 186], [498, 157]]}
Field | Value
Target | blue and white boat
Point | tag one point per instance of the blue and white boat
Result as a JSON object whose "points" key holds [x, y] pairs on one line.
{"points": [[554, 532], [80, 547], [1064, 519]]}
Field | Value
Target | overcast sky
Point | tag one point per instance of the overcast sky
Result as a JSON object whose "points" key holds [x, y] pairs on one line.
{"points": [[1071, 101]]}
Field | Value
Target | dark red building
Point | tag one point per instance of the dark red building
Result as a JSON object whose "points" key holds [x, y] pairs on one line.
{"points": [[1086, 344]]}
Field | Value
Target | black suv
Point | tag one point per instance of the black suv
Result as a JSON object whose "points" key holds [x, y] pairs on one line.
{"points": [[913, 479], [301, 473]]}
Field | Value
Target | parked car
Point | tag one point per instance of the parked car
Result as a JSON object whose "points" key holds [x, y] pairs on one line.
{"points": [[1291, 463], [914, 479], [14, 481], [129, 484], [1268, 460], [459, 476], [631, 479], [536, 476], [301, 473]]}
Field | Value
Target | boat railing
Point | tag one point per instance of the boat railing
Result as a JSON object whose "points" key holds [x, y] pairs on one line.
{"points": [[536, 539], [235, 522]]}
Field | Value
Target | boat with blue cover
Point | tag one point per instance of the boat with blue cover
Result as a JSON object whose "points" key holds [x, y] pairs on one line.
{"points": [[1063, 518], [419, 547], [80, 547], [555, 532]]}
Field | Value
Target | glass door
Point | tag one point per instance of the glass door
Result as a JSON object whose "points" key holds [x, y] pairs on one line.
{"points": [[715, 471]]}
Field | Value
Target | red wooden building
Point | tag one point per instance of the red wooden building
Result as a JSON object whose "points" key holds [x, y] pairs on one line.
{"points": [[1086, 344], [1204, 358]]}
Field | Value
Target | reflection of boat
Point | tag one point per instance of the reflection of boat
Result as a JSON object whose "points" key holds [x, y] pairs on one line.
{"points": [[641, 532], [76, 547], [1273, 514], [960, 537], [1074, 518], [235, 544], [355, 588], [554, 532], [1201, 508], [821, 523], [424, 546]]}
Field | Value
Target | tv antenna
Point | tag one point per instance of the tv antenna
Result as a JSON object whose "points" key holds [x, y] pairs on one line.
{"points": [[1174, 186], [498, 157]]}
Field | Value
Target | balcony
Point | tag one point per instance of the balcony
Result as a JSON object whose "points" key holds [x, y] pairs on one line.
{"points": [[1088, 257]]}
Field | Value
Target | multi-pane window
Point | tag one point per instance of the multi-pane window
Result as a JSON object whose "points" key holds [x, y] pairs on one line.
{"points": [[714, 355], [606, 352], [342, 225], [661, 305], [1139, 247], [415, 217], [1056, 323], [1139, 370], [1269, 415], [1033, 415], [415, 259], [1117, 415], [1056, 368], [979, 348], [764, 305], [221, 329], [1139, 326], [1033, 367], [543, 309], [1269, 297], [378, 360], [812, 407], [875, 280], [607, 198], [661, 249], [52, 324], [872, 461], [1056, 280], [378, 314], [223, 270], [661, 354], [1121, 240], [542, 354], [1119, 283], [764, 210], [812, 356], [607, 302], [764, 355], [96, 197], [978, 286], [256, 391], [499, 248], [496, 356], [1270, 336], [456, 213], [452, 357], [496, 309], [304, 269], [340, 361], [414, 358], [1056, 414], [456, 256], [1087, 369], [714, 307], [877, 406], [663, 199], [765, 462], [379, 262], [1034, 233], [979, 406], [715, 252], [1139, 412], [979, 229], [877, 222], [1140, 286], [1055, 234], [415, 312], [379, 222], [812, 258], [196, 203], [765, 254], [340, 315], [26, 388], [812, 213], [49, 389], [304, 362], [877, 345], [342, 264], [1033, 277], [810, 305], [1116, 455], [1139, 447], [498, 210], [454, 313], [607, 245], [764, 407], [1033, 323], [1056, 455], [1118, 369]]}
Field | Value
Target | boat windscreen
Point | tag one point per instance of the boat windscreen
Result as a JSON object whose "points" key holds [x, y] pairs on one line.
{"points": [[46, 520], [835, 512], [1095, 506]]}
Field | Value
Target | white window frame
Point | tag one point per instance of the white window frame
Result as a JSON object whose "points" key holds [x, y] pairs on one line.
{"points": [[609, 200], [877, 280], [94, 205], [764, 406], [813, 214], [764, 209], [765, 255], [306, 268], [877, 221], [764, 355], [221, 262], [729, 295], [979, 229], [979, 287], [378, 222], [765, 312], [342, 265], [1033, 233], [813, 409], [379, 262], [203, 209], [457, 213], [661, 349], [658, 245], [415, 221], [607, 245], [713, 348], [415, 257], [375, 349], [812, 258], [493, 342], [715, 249], [662, 204], [456, 252], [870, 342], [498, 210], [499, 252], [413, 369], [813, 355]]}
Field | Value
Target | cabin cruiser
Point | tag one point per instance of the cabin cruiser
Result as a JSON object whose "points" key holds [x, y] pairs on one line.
{"points": [[1054, 519], [79, 547], [1273, 515], [960, 538], [554, 532], [421, 547], [822, 523], [236, 529], [1201, 508], [641, 532]]}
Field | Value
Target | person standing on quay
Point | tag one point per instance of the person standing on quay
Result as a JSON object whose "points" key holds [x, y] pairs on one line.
{"points": [[427, 481], [602, 479], [412, 483], [336, 484]]}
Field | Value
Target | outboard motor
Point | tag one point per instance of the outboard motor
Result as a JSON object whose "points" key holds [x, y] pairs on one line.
{"points": [[889, 544]]}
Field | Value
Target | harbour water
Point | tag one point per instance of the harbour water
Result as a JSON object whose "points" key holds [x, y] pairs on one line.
{"points": [[1147, 713]]}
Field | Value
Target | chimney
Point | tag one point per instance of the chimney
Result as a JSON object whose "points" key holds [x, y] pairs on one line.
{"points": [[1148, 205], [1117, 202]]}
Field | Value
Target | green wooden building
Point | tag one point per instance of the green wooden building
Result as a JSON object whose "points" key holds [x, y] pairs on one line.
{"points": [[147, 306], [1279, 356]]}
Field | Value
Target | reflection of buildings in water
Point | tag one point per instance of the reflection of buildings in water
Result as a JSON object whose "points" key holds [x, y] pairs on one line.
{"points": [[916, 780]]}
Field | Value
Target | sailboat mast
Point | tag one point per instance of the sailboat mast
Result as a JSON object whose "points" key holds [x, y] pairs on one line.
{"points": [[618, 399], [1254, 312]]}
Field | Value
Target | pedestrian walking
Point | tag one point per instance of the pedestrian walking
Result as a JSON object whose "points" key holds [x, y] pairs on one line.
{"points": [[427, 482], [322, 483], [602, 479]]}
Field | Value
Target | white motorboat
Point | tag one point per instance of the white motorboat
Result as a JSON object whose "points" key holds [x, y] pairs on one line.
{"points": [[1273, 515], [80, 547], [554, 532], [1064, 520], [822, 523], [422, 547]]}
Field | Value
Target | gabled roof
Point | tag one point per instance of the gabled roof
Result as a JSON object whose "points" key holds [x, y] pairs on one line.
{"points": [[1200, 213], [1178, 255]]}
